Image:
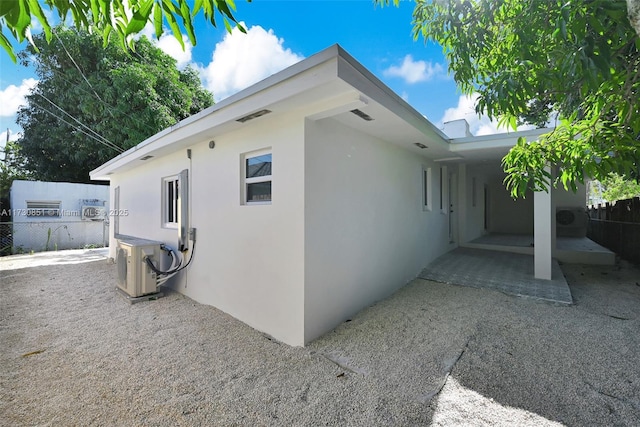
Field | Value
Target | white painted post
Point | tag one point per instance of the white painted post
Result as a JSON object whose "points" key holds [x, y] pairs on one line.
{"points": [[542, 236]]}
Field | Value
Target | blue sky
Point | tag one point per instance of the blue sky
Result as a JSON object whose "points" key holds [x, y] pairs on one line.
{"points": [[281, 33]]}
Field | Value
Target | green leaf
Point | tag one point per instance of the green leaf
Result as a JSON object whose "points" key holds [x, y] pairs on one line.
{"points": [[7, 47], [157, 20], [37, 11], [105, 36], [95, 10], [18, 18], [173, 24], [140, 17], [186, 20], [7, 5]]}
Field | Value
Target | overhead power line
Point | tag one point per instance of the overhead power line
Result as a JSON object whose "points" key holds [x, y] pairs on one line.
{"points": [[96, 136], [113, 147]]}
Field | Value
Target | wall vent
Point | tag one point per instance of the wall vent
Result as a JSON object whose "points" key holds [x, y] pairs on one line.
{"points": [[362, 115], [253, 116]]}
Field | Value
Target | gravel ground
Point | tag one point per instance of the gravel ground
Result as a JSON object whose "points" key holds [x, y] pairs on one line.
{"points": [[73, 352]]}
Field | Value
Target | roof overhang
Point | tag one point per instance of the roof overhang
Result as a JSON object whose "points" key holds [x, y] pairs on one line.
{"points": [[331, 79], [332, 84], [475, 149]]}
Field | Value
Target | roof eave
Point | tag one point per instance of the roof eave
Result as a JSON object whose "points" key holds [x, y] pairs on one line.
{"points": [[155, 141]]}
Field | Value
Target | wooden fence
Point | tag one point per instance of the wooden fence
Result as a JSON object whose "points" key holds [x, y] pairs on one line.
{"points": [[622, 210], [616, 226]]}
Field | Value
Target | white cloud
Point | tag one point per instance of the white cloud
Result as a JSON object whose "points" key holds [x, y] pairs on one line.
{"points": [[3, 140], [170, 45], [13, 97], [13, 136], [240, 60], [414, 71], [478, 125]]}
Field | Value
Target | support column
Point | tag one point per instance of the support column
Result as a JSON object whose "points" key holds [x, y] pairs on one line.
{"points": [[542, 233]]}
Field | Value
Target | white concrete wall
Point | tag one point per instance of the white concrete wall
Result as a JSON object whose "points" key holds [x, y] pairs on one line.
{"points": [[70, 196], [507, 215], [69, 230], [563, 198], [249, 260], [366, 233], [474, 213]]}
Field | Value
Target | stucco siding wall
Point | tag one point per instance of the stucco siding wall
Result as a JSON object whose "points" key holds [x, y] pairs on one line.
{"points": [[507, 215], [70, 195], [251, 256], [141, 197], [478, 177], [516, 216], [66, 231], [563, 198], [249, 259], [366, 233]]}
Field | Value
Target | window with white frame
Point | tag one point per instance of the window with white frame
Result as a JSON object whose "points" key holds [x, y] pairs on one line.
{"points": [[43, 208], [170, 187], [426, 189], [257, 177]]}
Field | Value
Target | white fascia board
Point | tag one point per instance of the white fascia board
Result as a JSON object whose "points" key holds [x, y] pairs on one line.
{"points": [[352, 72], [306, 74], [498, 140]]}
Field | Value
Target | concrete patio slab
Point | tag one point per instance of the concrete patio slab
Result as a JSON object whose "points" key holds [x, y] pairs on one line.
{"points": [[573, 250], [510, 273]]}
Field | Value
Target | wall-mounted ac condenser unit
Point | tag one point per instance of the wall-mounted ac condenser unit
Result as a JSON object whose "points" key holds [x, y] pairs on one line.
{"points": [[93, 213], [571, 222], [135, 278]]}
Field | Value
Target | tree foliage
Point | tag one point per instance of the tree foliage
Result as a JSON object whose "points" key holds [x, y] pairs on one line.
{"points": [[121, 17], [617, 187], [92, 102], [579, 60], [11, 167]]}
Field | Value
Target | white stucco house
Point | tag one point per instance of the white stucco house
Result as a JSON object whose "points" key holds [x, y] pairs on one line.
{"points": [[315, 193], [57, 215]]}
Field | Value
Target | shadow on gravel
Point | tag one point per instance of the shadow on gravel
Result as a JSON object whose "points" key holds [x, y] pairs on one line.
{"points": [[574, 365]]}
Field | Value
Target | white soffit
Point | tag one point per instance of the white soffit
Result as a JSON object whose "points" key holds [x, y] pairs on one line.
{"points": [[330, 83], [286, 88], [491, 147]]}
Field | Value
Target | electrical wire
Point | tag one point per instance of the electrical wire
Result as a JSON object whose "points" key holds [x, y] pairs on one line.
{"points": [[76, 65], [97, 135], [157, 271], [162, 280], [108, 107], [93, 92], [75, 127]]}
